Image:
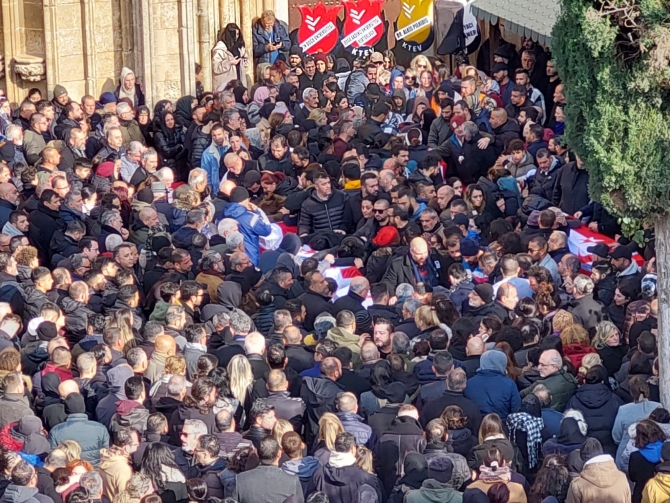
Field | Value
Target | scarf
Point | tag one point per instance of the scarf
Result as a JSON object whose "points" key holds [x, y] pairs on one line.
{"points": [[123, 93], [432, 272], [495, 473], [352, 185], [522, 421]]}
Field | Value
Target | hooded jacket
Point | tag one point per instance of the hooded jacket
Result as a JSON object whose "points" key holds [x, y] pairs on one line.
{"points": [[341, 483], [319, 394], [252, 226], [129, 413], [115, 470], [432, 491], [657, 489], [599, 481], [302, 468], [491, 389], [346, 339], [76, 318], [404, 436], [600, 407], [20, 494]]}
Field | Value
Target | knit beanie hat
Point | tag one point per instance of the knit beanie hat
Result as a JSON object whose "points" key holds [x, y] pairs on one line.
{"points": [[47, 331], [105, 169], [239, 194], [74, 404], [485, 291], [59, 91]]}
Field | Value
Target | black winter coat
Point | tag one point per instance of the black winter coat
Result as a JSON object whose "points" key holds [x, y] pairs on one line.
{"points": [[350, 302], [544, 183], [400, 270], [315, 304], [76, 319], [44, 222], [322, 216], [640, 471], [341, 484], [200, 141], [169, 146], [319, 397], [599, 406], [571, 192], [504, 134], [477, 161], [368, 131], [404, 436]]}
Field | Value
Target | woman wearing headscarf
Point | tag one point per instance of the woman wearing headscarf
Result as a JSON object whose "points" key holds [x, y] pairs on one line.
{"points": [[183, 112], [288, 94], [169, 140], [570, 438], [527, 431], [416, 471], [228, 56], [260, 96], [143, 117], [241, 99], [129, 88]]}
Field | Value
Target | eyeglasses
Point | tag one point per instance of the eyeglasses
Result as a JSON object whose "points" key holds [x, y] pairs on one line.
{"points": [[408, 77], [378, 212], [379, 63]]}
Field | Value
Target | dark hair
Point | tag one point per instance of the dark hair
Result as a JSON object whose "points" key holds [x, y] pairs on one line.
{"points": [[498, 493], [268, 450], [134, 387], [157, 456], [648, 432], [196, 489], [660, 415], [462, 330], [553, 479]]}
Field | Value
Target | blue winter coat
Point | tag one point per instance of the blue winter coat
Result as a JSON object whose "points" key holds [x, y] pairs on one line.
{"points": [[261, 38], [90, 435], [494, 393], [251, 225]]}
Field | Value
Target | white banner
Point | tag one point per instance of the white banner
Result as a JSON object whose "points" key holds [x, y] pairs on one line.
{"points": [[318, 36], [412, 28], [364, 33]]}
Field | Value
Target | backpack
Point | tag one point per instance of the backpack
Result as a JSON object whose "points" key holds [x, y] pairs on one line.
{"points": [[355, 85]]}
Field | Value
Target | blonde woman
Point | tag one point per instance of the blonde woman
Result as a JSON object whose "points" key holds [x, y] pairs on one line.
{"points": [[608, 344], [426, 320], [411, 82], [71, 449], [589, 361], [123, 319], [175, 365], [329, 427], [319, 116], [241, 381], [575, 339], [281, 426], [364, 460], [421, 64]]}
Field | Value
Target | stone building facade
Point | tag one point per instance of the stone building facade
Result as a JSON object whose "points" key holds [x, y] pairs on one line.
{"points": [[83, 44]]}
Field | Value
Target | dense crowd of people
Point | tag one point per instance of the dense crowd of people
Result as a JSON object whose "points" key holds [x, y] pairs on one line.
{"points": [[171, 329]]}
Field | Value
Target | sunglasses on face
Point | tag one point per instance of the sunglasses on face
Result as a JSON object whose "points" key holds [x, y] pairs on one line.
{"points": [[409, 78], [379, 212]]}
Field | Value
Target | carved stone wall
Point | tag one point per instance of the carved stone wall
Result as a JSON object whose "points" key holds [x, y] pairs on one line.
{"points": [[83, 44]]}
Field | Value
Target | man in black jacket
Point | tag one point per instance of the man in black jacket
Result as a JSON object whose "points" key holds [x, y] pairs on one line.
{"points": [[504, 130], [373, 126], [323, 210], [477, 161], [44, 222], [319, 395], [418, 266], [286, 407], [315, 299]]}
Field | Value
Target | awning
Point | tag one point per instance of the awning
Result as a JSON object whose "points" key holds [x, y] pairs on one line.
{"points": [[532, 19]]}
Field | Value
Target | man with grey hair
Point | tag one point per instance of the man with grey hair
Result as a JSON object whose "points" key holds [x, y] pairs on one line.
{"points": [[130, 161], [92, 482], [346, 405], [197, 180], [280, 320], [310, 98], [129, 127], [211, 273], [14, 134], [453, 395], [408, 325], [113, 142], [254, 348], [235, 242], [240, 325], [191, 432], [476, 160], [586, 310], [551, 417], [353, 300], [555, 378]]}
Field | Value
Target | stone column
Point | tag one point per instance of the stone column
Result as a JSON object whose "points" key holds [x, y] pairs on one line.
{"points": [[11, 21], [91, 49], [246, 13], [205, 43], [188, 47]]}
